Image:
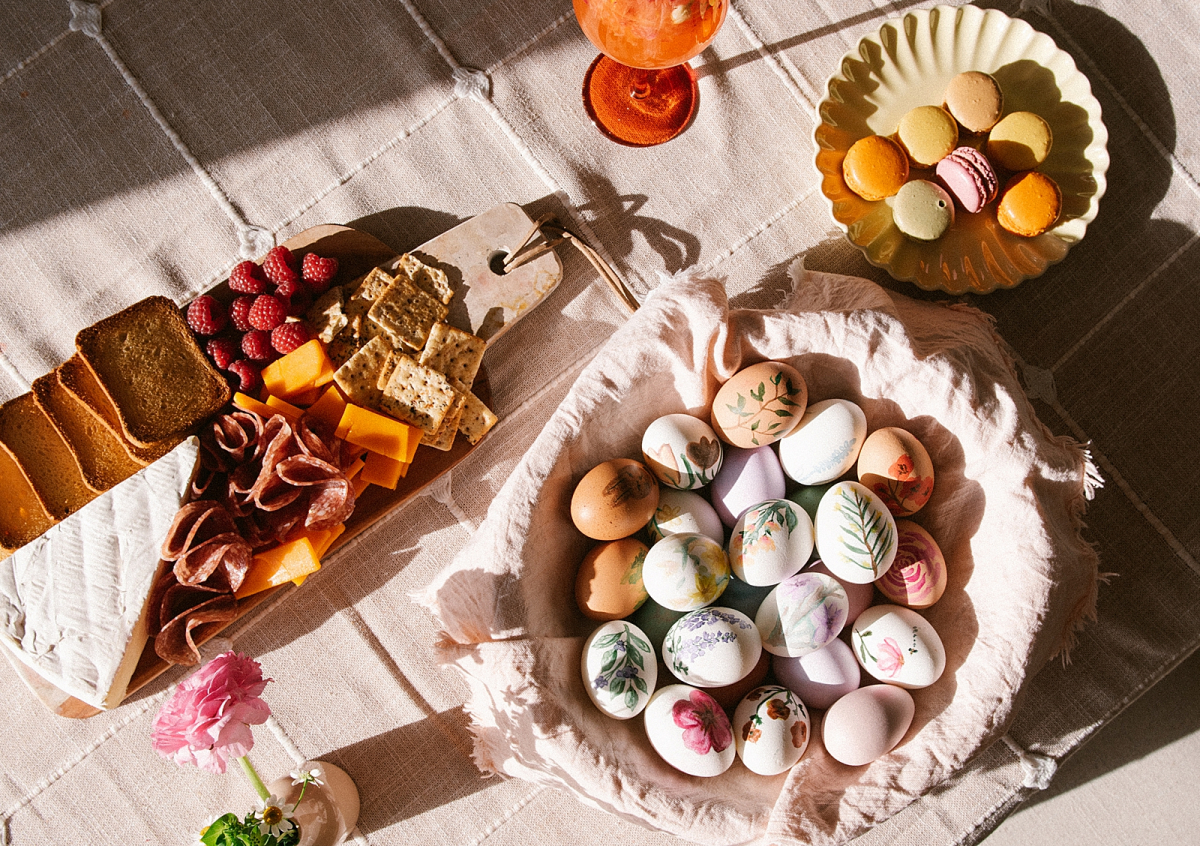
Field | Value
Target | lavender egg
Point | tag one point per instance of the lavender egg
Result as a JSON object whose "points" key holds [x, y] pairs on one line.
{"points": [[747, 477]]}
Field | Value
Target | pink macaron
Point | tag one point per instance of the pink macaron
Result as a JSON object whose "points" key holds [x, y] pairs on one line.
{"points": [[969, 177]]}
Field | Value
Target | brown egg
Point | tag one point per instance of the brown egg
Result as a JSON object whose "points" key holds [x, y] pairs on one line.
{"points": [[759, 405], [897, 468], [609, 584], [614, 499]]}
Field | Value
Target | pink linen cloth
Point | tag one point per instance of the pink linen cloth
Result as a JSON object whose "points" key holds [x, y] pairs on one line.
{"points": [[1006, 510]]}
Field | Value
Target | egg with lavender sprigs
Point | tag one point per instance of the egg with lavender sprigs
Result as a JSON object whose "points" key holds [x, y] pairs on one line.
{"points": [[917, 578], [826, 442], [683, 452], [690, 730], [770, 541], [747, 477], [771, 728], [802, 614], [685, 511], [759, 404], [614, 499], [712, 647], [619, 669], [608, 585], [856, 534], [685, 571], [898, 646], [867, 723], [897, 468]]}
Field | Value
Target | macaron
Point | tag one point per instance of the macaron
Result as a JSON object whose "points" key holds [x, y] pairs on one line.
{"points": [[875, 167], [928, 134], [1030, 204], [923, 210], [969, 177], [1020, 141], [975, 100]]}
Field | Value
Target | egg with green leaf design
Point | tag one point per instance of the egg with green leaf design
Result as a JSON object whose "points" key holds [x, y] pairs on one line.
{"points": [[683, 452], [856, 534], [759, 404], [619, 669], [770, 541]]}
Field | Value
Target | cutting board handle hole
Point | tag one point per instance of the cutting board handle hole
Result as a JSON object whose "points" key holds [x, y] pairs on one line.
{"points": [[496, 261]]}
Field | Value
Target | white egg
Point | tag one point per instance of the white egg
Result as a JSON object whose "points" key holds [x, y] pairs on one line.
{"points": [[856, 534], [771, 541], [898, 646], [685, 511], [712, 647], [690, 731], [682, 451], [619, 669], [826, 443], [802, 614], [771, 729], [867, 723], [685, 571]]}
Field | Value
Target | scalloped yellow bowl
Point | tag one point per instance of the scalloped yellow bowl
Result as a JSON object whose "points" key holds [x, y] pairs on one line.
{"points": [[907, 64]]}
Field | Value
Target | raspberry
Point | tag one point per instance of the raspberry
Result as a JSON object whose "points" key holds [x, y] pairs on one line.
{"points": [[287, 290], [299, 303], [256, 344], [247, 278], [288, 336], [267, 312], [222, 351], [206, 316], [318, 272], [248, 374], [239, 313], [280, 266]]}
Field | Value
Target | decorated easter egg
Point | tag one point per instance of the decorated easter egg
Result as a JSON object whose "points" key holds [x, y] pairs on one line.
{"points": [[685, 511], [712, 647], [771, 728], [894, 464], [614, 499], [685, 571], [690, 731], [820, 678], [771, 541], [760, 404], [861, 596], [609, 585], [856, 534], [619, 669], [747, 477], [867, 723], [825, 444], [898, 646], [917, 578], [682, 451], [802, 614]]}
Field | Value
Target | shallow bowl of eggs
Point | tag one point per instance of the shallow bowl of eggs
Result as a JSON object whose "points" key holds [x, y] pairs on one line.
{"points": [[910, 63]]}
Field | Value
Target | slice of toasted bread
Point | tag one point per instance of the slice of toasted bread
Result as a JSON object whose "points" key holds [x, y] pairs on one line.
{"points": [[151, 368], [99, 453], [43, 455], [22, 515], [81, 383]]}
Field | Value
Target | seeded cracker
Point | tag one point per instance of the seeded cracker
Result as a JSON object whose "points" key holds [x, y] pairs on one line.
{"points": [[363, 294], [477, 419], [443, 438], [407, 312], [455, 353], [385, 371], [429, 279], [326, 316], [417, 395], [359, 376]]}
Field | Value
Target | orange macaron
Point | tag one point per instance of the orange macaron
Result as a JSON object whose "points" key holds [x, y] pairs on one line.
{"points": [[875, 167], [1030, 204]]}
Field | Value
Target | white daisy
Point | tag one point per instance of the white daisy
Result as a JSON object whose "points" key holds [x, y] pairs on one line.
{"points": [[274, 817], [312, 776]]}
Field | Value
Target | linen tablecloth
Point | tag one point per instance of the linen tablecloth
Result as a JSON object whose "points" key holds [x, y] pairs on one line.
{"points": [[145, 147]]}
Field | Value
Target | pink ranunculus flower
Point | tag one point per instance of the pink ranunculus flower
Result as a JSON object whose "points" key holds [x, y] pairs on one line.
{"points": [[891, 658], [704, 723], [207, 720]]}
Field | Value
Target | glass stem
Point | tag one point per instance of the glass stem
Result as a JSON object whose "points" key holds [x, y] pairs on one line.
{"points": [[255, 781], [639, 88]]}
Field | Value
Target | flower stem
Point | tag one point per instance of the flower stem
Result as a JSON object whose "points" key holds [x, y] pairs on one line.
{"points": [[255, 781]]}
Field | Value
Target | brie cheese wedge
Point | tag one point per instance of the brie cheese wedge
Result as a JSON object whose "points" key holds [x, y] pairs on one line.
{"points": [[74, 601]]}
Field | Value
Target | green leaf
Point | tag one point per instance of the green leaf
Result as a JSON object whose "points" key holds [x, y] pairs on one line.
{"points": [[618, 686], [638, 642], [636, 658], [607, 640], [779, 412], [640, 684], [760, 393], [631, 699], [610, 661], [775, 380]]}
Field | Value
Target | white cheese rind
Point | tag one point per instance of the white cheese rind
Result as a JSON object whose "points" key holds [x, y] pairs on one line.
{"points": [[72, 599]]}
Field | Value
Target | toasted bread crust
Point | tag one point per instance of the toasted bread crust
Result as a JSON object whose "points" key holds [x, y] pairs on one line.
{"points": [[80, 382], [22, 515], [41, 452]]}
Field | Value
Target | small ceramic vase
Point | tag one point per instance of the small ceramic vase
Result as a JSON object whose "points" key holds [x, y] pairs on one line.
{"points": [[329, 811]]}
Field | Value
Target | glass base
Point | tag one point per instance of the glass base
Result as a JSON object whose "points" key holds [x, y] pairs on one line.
{"points": [[639, 108]]}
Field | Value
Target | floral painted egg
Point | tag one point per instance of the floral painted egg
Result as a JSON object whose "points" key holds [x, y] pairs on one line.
{"points": [[771, 541], [685, 571], [802, 614], [619, 669], [894, 464], [856, 534], [825, 444], [760, 404], [614, 499], [867, 723], [682, 451], [917, 578], [820, 678], [690, 731], [898, 646], [712, 647], [609, 585], [748, 477], [771, 728], [685, 511], [861, 596]]}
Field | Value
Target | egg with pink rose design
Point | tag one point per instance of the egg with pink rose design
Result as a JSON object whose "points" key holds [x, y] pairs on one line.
{"points": [[917, 577], [690, 730], [897, 645]]}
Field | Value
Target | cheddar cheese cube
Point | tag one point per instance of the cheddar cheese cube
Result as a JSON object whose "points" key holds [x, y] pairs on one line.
{"points": [[302, 369], [376, 432], [284, 563], [379, 469]]}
